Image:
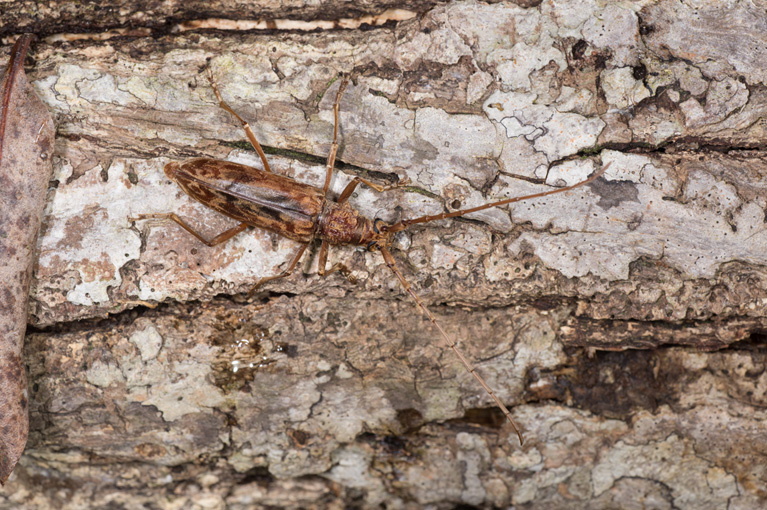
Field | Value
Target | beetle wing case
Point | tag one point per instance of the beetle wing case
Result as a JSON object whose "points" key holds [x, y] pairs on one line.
{"points": [[258, 198]]}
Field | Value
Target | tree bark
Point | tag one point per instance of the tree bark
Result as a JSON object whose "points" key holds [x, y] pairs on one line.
{"points": [[624, 323]]}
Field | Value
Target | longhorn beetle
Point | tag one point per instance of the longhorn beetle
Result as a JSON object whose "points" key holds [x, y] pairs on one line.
{"points": [[263, 199]]}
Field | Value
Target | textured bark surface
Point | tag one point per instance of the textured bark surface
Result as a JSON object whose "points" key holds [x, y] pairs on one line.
{"points": [[46, 17], [26, 150], [625, 322]]}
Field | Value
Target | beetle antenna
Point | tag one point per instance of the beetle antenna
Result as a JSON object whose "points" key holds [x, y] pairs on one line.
{"points": [[392, 265], [402, 225]]}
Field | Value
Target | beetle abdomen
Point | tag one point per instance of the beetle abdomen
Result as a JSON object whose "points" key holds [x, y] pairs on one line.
{"points": [[252, 196]]}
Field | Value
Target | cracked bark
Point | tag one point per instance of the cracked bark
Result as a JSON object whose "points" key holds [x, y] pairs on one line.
{"points": [[625, 322]]}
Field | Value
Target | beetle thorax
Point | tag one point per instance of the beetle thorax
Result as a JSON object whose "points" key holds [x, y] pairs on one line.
{"points": [[342, 224]]}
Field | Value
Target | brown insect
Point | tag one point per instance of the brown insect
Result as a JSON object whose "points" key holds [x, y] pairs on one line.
{"points": [[263, 199]]}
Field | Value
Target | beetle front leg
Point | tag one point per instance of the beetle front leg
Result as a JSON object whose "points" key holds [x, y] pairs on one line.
{"points": [[341, 268], [220, 238]]}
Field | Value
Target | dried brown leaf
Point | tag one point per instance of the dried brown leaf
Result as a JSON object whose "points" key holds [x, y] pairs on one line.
{"points": [[26, 148]]}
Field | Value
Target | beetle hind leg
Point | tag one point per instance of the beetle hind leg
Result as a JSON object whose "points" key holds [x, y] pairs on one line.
{"points": [[220, 238]]}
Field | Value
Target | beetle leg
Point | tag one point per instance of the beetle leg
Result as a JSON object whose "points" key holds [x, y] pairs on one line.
{"points": [[220, 238], [341, 268], [245, 125], [349, 189], [334, 146], [287, 272]]}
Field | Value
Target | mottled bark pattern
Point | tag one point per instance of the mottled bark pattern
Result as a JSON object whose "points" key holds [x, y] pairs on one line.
{"points": [[26, 147]]}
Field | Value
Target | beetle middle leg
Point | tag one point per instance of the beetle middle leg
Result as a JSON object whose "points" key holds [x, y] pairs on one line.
{"points": [[245, 125], [349, 189], [334, 145], [220, 238], [341, 268], [287, 272], [346, 193], [323, 257]]}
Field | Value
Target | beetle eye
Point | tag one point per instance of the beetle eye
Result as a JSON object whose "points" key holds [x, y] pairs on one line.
{"points": [[376, 228], [372, 246]]}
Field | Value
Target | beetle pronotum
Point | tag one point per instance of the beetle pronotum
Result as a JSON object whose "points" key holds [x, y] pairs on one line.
{"points": [[263, 199]]}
